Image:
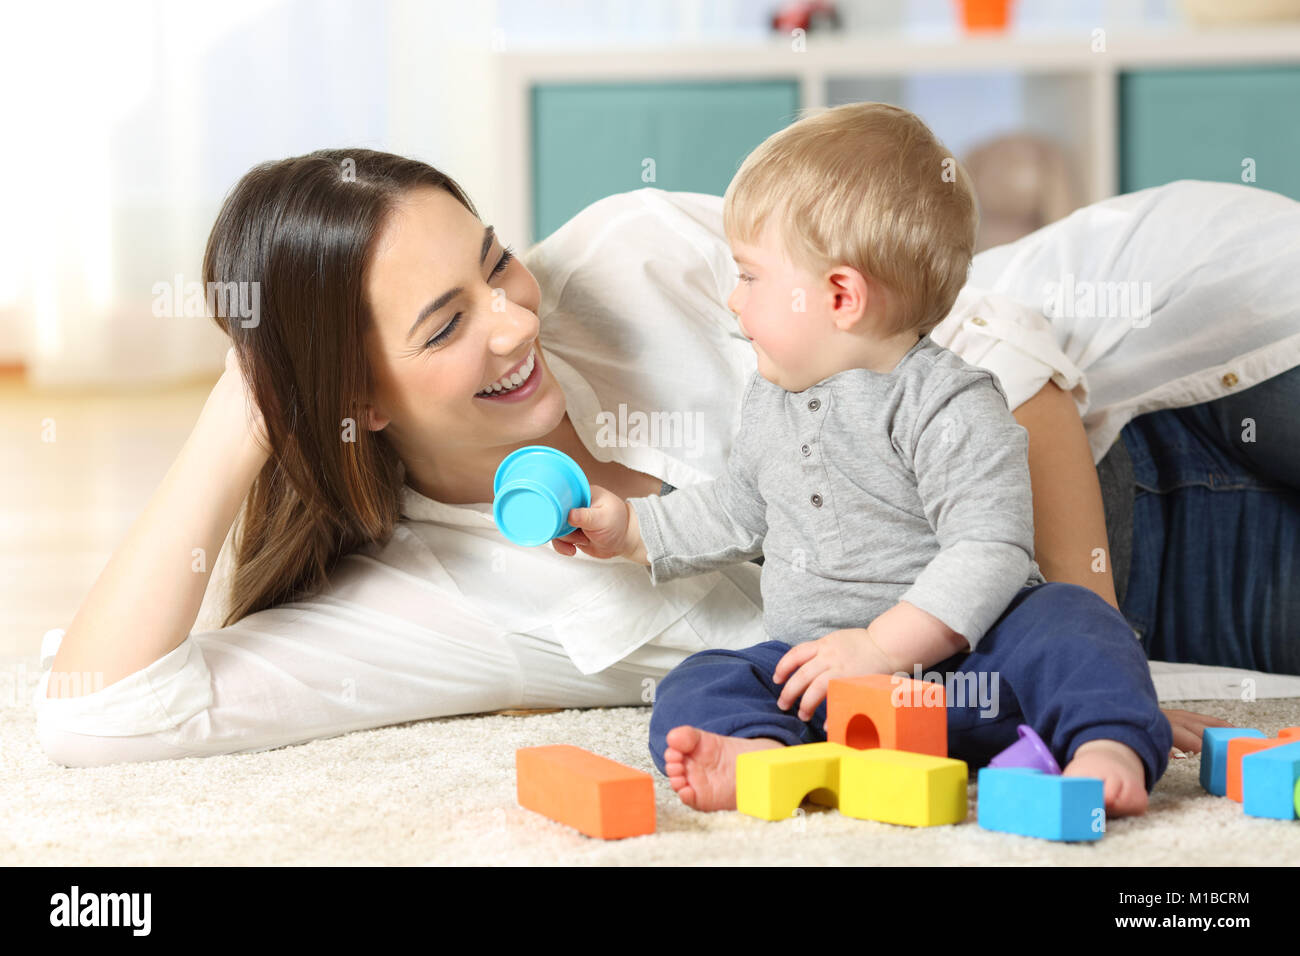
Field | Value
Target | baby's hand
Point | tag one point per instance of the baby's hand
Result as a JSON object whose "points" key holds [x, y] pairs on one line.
{"points": [[602, 527], [847, 653]]}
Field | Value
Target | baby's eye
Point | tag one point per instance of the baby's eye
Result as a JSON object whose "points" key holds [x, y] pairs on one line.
{"points": [[744, 277]]}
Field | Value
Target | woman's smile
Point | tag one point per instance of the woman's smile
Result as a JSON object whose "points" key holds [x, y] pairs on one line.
{"points": [[532, 366]]}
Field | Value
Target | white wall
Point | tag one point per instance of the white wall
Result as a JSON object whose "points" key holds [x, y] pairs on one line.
{"points": [[127, 122]]}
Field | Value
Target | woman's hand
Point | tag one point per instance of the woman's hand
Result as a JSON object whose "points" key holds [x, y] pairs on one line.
{"points": [[232, 389], [1188, 727], [604, 528]]}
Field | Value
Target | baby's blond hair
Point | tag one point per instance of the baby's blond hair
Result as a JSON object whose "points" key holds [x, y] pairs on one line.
{"points": [[866, 185]]}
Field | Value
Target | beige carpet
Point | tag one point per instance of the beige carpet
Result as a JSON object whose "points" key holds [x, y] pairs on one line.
{"points": [[437, 791], [443, 792]]}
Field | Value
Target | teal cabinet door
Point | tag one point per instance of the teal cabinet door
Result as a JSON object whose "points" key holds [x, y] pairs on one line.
{"points": [[1214, 124], [594, 140]]}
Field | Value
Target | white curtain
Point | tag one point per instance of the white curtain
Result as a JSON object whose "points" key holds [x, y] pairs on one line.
{"points": [[125, 124]]}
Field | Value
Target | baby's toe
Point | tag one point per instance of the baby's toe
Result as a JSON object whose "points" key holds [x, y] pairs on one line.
{"points": [[1128, 798], [1133, 799], [683, 739]]}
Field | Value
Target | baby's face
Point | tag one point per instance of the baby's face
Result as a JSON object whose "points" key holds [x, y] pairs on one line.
{"points": [[781, 311]]}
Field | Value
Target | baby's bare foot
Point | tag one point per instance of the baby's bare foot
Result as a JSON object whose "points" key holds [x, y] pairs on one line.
{"points": [[702, 766], [1121, 771]]}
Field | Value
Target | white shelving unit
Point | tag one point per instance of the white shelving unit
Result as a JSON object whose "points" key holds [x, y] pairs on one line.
{"points": [[1070, 89]]}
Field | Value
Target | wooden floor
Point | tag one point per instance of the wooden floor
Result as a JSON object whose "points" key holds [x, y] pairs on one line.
{"points": [[78, 469]]}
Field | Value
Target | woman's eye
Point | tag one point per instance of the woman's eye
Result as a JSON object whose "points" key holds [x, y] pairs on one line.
{"points": [[506, 258], [447, 330], [744, 277]]}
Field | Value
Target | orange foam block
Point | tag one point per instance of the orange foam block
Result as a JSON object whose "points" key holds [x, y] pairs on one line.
{"points": [[1238, 747], [889, 712], [593, 794]]}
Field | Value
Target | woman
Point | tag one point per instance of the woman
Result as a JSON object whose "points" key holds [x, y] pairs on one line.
{"points": [[370, 577]]}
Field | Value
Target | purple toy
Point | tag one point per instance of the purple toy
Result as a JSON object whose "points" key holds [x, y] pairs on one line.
{"points": [[1028, 751]]}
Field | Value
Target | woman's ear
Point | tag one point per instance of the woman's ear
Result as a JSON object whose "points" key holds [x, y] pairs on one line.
{"points": [[375, 419]]}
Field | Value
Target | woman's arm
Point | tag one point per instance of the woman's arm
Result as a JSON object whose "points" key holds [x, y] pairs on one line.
{"points": [[1070, 542], [145, 601]]}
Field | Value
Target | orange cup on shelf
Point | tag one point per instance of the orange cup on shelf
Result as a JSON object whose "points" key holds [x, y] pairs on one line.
{"points": [[985, 15]]}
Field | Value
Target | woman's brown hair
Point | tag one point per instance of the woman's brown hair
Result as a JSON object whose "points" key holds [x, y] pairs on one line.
{"points": [[303, 229]]}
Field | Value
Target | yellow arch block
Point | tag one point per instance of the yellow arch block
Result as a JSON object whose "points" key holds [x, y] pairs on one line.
{"points": [[898, 786], [770, 784], [891, 786]]}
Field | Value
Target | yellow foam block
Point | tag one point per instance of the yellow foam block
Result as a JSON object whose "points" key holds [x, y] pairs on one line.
{"points": [[897, 786], [770, 784]]}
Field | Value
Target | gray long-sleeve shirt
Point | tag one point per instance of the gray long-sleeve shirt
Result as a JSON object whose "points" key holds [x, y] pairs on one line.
{"points": [[863, 490]]}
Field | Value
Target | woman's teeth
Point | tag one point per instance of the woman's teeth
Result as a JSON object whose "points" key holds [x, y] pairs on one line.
{"points": [[511, 382]]}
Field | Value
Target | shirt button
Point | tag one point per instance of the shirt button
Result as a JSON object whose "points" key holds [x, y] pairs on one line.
{"points": [[816, 500], [978, 321], [815, 404], [1229, 380], [805, 450]]}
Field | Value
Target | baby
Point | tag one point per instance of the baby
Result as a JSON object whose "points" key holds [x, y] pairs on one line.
{"points": [[885, 483]]}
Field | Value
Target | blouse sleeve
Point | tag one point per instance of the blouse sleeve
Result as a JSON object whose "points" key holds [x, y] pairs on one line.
{"points": [[376, 647], [1014, 342]]}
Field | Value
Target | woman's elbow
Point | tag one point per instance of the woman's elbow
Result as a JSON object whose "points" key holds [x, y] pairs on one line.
{"points": [[70, 749]]}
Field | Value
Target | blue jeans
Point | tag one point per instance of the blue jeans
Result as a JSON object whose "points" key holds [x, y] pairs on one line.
{"points": [[1059, 659], [1215, 573]]}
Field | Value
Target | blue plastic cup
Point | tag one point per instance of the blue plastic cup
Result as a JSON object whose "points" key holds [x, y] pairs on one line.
{"points": [[1028, 751], [534, 490]]}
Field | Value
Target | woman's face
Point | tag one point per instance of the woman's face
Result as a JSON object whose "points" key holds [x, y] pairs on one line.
{"points": [[453, 314]]}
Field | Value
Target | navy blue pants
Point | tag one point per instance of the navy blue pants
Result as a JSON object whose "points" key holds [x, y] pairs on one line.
{"points": [[1059, 659]]}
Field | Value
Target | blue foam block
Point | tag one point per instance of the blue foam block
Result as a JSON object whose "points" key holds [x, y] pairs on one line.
{"points": [[1268, 782], [1032, 803], [1214, 756]]}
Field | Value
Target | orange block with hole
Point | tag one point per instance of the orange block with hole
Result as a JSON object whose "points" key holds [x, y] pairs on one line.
{"points": [[893, 713], [598, 796], [1238, 747]]}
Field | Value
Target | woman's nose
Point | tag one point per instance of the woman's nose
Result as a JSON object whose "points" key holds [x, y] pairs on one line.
{"points": [[514, 325]]}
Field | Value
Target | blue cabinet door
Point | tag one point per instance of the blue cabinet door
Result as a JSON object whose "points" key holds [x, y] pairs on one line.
{"points": [[594, 140], [1213, 124]]}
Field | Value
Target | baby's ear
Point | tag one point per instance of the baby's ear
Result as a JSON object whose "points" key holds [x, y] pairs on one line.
{"points": [[853, 295]]}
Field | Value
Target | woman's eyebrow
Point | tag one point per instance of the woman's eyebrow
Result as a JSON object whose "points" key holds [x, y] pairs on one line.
{"points": [[450, 294]]}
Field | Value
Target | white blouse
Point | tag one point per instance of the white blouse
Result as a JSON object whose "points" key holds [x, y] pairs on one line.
{"points": [[1212, 265], [450, 618]]}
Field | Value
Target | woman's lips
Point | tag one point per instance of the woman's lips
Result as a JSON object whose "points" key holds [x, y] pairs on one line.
{"points": [[525, 389]]}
